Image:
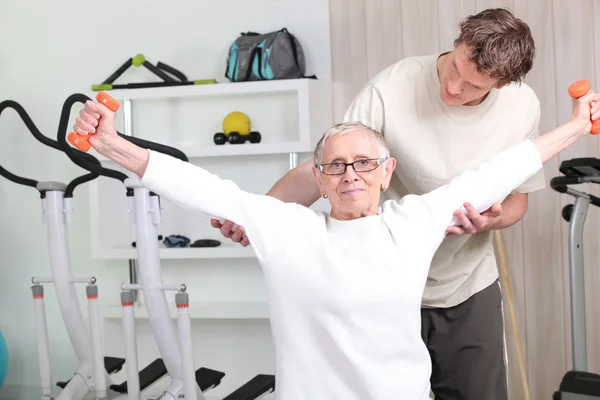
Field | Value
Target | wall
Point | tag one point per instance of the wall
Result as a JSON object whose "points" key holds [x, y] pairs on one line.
{"points": [[369, 35], [56, 49]]}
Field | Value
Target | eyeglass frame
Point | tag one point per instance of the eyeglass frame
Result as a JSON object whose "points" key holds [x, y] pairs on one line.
{"points": [[379, 160]]}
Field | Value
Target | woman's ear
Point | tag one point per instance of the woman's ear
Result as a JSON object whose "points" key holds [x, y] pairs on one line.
{"points": [[389, 167], [317, 174]]}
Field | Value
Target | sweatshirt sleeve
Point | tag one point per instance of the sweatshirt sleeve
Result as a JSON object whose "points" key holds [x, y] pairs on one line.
{"points": [[491, 182], [195, 189]]}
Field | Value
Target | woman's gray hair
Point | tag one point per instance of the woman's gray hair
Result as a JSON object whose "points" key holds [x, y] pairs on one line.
{"points": [[347, 127]]}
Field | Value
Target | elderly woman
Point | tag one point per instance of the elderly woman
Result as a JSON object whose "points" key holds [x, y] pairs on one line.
{"points": [[339, 299]]}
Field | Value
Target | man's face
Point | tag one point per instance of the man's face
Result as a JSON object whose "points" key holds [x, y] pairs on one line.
{"points": [[460, 83]]}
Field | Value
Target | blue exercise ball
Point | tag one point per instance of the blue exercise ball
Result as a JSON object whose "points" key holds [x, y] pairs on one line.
{"points": [[3, 359]]}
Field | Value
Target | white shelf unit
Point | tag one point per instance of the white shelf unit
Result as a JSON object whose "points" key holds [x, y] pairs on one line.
{"points": [[299, 111], [202, 310], [226, 250], [291, 116]]}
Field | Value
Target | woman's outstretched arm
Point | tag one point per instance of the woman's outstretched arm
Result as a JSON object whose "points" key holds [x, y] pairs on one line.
{"points": [[186, 185], [494, 179]]}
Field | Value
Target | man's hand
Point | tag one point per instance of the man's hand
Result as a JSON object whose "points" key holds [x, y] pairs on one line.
{"points": [[474, 222], [238, 235]]}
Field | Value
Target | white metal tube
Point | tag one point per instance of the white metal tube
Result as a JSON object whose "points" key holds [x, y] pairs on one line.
{"points": [[151, 280], [61, 271], [83, 279], [577, 284], [185, 342], [42, 339], [42, 279], [131, 286], [131, 212], [170, 287], [127, 118], [155, 210], [293, 158], [43, 208], [77, 388], [96, 337], [68, 210], [131, 360], [173, 391]]}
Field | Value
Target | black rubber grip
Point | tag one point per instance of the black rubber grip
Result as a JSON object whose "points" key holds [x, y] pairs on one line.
{"points": [[45, 141], [95, 167]]}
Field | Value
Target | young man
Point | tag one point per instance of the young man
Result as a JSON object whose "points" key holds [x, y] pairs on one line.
{"points": [[442, 114]]}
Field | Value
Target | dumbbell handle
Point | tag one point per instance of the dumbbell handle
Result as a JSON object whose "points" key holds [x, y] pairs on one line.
{"points": [[81, 141], [578, 89]]}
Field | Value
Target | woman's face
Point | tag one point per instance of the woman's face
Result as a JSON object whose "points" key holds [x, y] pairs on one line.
{"points": [[354, 193]]}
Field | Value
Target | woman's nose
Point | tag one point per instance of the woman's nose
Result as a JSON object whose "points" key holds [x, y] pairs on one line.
{"points": [[350, 174]]}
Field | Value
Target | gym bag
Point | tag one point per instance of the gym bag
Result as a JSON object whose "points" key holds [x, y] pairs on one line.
{"points": [[275, 55]]}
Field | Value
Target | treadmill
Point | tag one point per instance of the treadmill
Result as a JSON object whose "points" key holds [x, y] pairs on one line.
{"points": [[579, 383]]}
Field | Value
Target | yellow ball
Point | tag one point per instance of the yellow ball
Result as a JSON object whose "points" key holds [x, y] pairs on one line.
{"points": [[236, 122]]}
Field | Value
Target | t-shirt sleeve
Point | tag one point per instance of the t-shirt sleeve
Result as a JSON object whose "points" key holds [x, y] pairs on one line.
{"points": [[195, 189], [491, 182], [367, 107], [537, 181]]}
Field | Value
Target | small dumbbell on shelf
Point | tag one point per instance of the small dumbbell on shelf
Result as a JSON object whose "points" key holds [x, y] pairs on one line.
{"points": [[237, 129]]}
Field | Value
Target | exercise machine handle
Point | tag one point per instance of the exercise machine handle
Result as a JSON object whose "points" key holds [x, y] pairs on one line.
{"points": [[578, 89], [160, 148], [96, 167], [73, 153], [561, 183], [46, 141]]}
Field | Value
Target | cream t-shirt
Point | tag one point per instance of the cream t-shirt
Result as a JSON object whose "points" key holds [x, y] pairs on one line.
{"points": [[433, 143]]}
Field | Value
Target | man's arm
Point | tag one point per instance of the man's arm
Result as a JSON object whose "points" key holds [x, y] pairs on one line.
{"points": [[297, 186], [499, 216]]}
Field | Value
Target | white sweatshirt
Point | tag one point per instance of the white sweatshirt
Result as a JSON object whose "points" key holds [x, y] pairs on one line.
{"points": [[345, 296]]}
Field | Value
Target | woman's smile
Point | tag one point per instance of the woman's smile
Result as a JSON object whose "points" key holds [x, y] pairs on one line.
{"points": [[353, 191]]}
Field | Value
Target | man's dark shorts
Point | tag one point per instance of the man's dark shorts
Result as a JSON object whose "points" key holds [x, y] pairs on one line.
{"points": [[467, 348]]}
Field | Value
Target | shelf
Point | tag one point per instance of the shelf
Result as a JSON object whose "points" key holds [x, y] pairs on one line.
{"points": [[228, 150], [216, 89], [246, 149], [223, 251], [201, 310], [290, 114]]}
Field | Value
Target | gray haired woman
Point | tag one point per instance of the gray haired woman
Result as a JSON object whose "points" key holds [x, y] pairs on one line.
{"points": [[345, 313]]}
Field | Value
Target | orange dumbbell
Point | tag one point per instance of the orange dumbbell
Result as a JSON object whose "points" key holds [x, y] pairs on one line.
{"points": [[578, 89], [81, 141]]}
